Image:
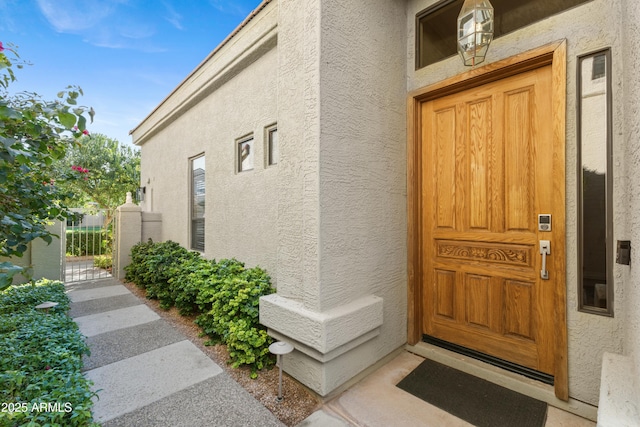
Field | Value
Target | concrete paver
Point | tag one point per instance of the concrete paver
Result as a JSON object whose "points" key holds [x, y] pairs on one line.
{"points": [[128, 342], [216, 402], [97, 293], [143, 379], [321, 418], [101, 305], [90, 284], [120, 318]]}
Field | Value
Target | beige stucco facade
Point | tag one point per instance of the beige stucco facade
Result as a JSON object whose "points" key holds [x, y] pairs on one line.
{"points": [[329, 221]]}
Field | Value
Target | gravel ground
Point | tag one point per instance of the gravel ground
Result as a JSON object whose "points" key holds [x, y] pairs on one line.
{"points": [[298, 401]]}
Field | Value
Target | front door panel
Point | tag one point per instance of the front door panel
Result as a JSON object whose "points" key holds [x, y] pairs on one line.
{"points": [[487, 172]]}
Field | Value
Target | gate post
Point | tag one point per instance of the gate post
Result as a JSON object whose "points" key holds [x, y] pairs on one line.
{"points": [[127, 234], [48, 260]]}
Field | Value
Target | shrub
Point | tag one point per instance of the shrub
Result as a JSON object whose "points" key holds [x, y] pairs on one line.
{"points": [[177, 273], [225, 294], [137, 271], [234, 317], [17, 299], [41, 360], [189, 280], [103, 261], [153, 264], [87, 242], [208, 292]]}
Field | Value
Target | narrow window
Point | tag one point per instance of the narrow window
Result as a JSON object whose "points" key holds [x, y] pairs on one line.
{"points": [[595, 290], [245, 154], [272, 145], [197, 203]]}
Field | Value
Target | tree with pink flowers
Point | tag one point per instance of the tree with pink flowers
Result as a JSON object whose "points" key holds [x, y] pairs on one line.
{"points": [[34, 135], [108, 170]]}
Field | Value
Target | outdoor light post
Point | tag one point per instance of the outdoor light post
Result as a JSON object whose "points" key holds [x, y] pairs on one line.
{"points": [[475, 31], [280, 348], [45, 306]]}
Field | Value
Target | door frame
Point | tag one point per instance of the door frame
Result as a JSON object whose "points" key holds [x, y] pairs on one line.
{"points": [[553, 54]]}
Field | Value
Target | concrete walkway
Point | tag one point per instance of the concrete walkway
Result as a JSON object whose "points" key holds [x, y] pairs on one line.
{"points": [[148, 374]]}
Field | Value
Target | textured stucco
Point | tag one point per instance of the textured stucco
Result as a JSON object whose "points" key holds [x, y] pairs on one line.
{"points": [[341, 214], [327, 331], [630, 223], [328, 222], [298, 92], [48, 260], [589, 27], [128, 233], [225, 103]]}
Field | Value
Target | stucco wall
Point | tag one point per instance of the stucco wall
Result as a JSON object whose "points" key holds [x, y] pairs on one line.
{"points": [[46, 260], [362, 152], [298, 97], [363, 163], [328, 222], [341, 215], [231, 97], [586, 28], [630, 224]]}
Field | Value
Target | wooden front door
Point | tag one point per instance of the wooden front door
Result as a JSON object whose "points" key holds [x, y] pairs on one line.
{"points": [[488, 168]]}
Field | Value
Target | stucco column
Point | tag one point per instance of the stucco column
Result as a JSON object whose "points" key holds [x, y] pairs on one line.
{"points": [[127, 234], [341, 179], [298, 133]]}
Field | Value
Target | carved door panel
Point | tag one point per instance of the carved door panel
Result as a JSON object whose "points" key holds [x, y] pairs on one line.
{"points": [[487, 172]]}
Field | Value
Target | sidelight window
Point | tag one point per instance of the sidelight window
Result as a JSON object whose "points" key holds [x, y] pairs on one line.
{"points": [[595, 247]]}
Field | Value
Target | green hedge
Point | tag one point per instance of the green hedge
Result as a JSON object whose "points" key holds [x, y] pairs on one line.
{"points": [[103, 261], [87, 242], [41, 382], [224, 294]]}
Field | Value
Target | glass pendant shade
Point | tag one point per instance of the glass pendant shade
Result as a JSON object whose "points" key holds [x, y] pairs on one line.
{"points": [[475, 30]]}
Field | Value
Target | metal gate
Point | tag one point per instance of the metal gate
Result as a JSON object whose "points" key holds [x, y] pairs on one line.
{"points": [[88, 247]]}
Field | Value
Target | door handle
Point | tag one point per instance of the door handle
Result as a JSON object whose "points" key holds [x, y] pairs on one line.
{"points": [[545, 249]]}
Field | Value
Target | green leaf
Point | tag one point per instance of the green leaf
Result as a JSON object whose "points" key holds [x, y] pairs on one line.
{"points": [[82, 123], [67, 120], [9, 113]]}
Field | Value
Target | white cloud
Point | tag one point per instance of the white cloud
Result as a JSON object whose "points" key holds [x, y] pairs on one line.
{"points": [[101, 23], [73, 16], [174, 18], [229, 7]]}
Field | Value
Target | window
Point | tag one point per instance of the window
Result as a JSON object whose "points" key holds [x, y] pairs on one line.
{"points": [[271, 139], [197, 203], [595, 241], [598, 69], [436, 25], [245, 154]]}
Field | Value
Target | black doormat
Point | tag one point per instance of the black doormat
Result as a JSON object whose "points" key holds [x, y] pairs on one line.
{"points": [[477, 401]]}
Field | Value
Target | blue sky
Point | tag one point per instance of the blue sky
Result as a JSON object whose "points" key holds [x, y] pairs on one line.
{"points": [[126, 55]]}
